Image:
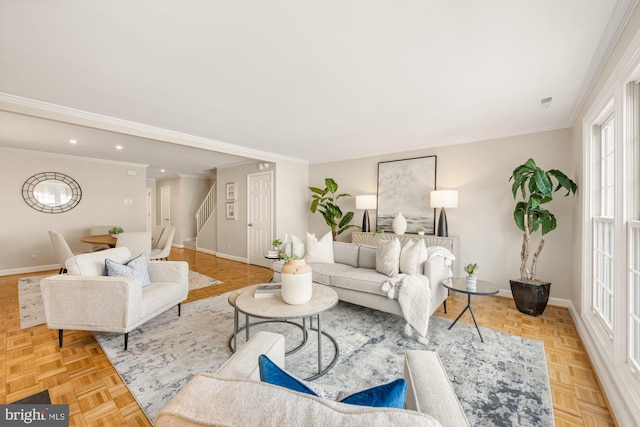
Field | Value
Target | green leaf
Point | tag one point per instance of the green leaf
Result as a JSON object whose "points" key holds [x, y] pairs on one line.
{"points": [[318, 190], [314, 206], [346, 219], [331, 185]]}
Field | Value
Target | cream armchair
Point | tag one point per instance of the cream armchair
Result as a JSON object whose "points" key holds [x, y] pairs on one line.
{"points": [[86, 300]]}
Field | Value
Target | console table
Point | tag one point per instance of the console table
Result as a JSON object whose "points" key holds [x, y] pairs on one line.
{"points": [[450, 242]]}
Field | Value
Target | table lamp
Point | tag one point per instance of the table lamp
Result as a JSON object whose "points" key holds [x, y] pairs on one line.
{"points": [[366, 202], [443, 199]]}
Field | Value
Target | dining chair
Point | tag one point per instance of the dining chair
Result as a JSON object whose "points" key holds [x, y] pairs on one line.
{"points": [[61, 248], [156, 233], [137, 242], [163, 248], [97, 231]]}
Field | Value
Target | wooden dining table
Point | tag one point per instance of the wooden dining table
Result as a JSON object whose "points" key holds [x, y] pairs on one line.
{"points": [[100, 239]]}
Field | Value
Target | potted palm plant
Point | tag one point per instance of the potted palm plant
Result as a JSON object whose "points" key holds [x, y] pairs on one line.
{"points": [[536, 188], [325, 201]]}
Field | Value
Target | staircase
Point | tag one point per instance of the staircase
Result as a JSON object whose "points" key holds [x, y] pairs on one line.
{"points": [[206, 210]]}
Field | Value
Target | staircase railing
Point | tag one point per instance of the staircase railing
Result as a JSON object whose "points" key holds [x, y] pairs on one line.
{"points": [[206, 209]]}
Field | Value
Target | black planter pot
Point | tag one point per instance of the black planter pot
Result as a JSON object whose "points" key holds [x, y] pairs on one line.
{"points": [[530, 298]]}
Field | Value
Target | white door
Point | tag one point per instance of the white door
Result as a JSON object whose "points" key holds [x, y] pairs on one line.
{"points": [[149, 206], [260, 217], [165, 206]]}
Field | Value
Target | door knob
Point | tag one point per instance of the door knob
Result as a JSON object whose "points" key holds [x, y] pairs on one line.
{"points": [[250, 225]]}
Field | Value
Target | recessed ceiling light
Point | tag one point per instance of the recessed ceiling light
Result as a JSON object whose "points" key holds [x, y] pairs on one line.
{"points": [[161, 170], [73, 141], [118, 147]]}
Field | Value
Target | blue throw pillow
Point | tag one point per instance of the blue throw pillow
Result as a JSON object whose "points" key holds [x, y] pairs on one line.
{"points": [[272, 374], [136, 267], [391, 395]]}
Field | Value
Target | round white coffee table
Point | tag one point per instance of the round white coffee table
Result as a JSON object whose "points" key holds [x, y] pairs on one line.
{"points": [[276, 310]]}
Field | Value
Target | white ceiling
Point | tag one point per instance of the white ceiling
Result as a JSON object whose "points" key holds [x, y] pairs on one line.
{"points": [[316, 81]]}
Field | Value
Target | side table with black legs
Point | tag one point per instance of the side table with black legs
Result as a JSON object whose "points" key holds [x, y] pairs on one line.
{"points": [[460, 285]]}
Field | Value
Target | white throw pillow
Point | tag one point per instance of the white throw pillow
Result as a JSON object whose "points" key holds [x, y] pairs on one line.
{"points": [[388, 257], [412, 255], [297, 246], [319, 250]]}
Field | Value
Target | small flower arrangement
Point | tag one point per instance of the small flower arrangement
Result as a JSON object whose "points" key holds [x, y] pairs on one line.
{"points": [[116, 230], [421, 230], [471, 269]]}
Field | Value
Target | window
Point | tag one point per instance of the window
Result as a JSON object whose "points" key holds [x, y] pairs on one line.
{"points": [[603, 222]]}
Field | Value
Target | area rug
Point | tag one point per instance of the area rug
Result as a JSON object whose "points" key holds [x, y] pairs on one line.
{"points": [[32, 308], [502, 382]]}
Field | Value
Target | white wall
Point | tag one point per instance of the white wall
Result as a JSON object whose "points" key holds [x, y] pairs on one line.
{"points": [[483, 221], [104, 188]]}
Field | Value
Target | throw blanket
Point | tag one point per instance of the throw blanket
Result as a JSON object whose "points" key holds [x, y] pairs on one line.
{"points": [[414, 295]]}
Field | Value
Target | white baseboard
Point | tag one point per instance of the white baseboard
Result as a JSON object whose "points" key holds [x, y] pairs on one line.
{"points": [[24, 270], [231, 257], [177, 245], [560, 302], [206, 251]]}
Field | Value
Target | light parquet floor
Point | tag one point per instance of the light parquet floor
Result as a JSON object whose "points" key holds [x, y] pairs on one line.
{"points": [[79, 374]]}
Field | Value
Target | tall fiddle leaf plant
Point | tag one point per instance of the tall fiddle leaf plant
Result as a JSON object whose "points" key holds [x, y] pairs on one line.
{"points": [[325, 202], [536, 188]]}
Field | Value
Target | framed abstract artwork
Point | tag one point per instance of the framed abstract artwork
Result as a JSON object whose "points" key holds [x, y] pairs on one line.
{"points": [[405, 186]]}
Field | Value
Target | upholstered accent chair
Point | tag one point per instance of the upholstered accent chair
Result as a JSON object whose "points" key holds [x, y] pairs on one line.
{"points": [[163, 248], [85, 299]]}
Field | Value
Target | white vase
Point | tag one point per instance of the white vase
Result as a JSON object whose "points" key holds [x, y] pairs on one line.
{"points": [[399, 224], [297, 287], [471, 283]]}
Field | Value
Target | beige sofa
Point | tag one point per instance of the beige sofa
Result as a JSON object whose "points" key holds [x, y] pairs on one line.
{"points": [[86, 300], [235, 396], [354, 277]]}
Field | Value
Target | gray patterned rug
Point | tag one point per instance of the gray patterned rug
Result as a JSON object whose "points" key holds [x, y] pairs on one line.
{"points": [[502, 382], [32, 308]]}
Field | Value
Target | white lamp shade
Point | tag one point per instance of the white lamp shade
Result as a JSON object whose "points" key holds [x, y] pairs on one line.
{"points": [[366, 202], [444, 199]]}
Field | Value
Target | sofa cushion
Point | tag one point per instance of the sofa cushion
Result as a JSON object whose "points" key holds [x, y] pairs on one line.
{"points": [[367, 257], [213, 401], [92, 264], [361, 279], [319, 250], [388, 257], [136, 267], [346, 253], [412, 256], [322, 272]]}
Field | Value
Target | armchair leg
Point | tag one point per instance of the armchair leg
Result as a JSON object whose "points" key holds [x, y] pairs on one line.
{"points": [[126, 340], [179, 308], [60, 337]]}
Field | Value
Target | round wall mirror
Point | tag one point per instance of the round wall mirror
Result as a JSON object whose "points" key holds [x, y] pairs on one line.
{"points": [[51, 192]]}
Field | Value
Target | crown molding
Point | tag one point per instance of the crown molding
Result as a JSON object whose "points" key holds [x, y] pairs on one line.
{"points": [[617, 23]]}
